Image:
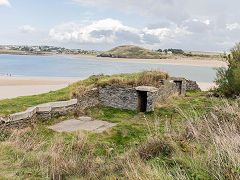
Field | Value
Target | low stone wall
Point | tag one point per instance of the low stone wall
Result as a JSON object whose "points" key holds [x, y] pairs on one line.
{"points": [[180, 83], [89, 99], [43, 112], [192, 85], [167, 90], [118, 97]]}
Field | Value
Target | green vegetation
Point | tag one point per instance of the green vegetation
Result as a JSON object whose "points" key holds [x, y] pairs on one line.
{"points": [[228, 79], [187, 137], [151, 78], [181, 140], [129, 51], [10, 106]]}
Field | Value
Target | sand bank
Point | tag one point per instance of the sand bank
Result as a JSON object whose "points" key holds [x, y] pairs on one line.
{"points": [[186, 62], [205, 86], [11, 87], [179, 61]]}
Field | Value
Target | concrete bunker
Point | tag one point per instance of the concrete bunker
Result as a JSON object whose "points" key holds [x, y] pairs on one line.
{"points": [[141, 98]]}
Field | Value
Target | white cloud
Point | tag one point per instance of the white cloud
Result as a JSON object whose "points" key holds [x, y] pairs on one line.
{"points": [[5, 3], [101, 31], [27, 29], [195, 34], [188, 24], [113, 32], [173, 10], [233, 26]]}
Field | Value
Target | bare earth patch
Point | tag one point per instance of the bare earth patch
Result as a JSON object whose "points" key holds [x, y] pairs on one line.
{"points": [[82, 123]]}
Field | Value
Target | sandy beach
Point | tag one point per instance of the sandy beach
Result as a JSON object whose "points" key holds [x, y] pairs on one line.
{"points": [[180, 61], [186, 62], [11, 87]]}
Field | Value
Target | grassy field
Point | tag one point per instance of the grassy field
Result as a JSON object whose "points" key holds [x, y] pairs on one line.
{"points": [[177, 141], [141, 53], [187, 137]]}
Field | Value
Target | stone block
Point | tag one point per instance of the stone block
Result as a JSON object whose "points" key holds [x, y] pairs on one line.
{"points": [[44, 108]]}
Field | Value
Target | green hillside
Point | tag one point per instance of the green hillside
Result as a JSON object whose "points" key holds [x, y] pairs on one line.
{"points": [[130, 51]]}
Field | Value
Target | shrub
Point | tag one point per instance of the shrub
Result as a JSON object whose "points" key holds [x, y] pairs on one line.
{"points": [[147, 78], [228, 79]]}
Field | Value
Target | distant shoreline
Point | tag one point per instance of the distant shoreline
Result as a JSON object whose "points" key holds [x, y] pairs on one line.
{"points": [[179, 61]]}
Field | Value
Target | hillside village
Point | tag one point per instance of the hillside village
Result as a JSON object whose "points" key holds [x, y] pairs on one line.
{"points": [[41, 50]]}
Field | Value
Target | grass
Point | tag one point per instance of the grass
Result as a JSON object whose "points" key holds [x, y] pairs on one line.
{"points": [[130, 51], [10, 106], [180, 140], [187, 137]]}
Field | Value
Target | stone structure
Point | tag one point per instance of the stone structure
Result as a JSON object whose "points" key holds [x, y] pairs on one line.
{"points": [[118, 97], [88, 99], [43, 112], [142, 98], [192, 85], [82, 123]]}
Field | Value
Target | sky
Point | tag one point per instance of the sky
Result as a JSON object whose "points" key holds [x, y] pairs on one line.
{"points": [[202, 25]]}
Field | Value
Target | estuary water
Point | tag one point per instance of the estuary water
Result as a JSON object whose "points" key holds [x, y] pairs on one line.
{"points": [[61, 66]]}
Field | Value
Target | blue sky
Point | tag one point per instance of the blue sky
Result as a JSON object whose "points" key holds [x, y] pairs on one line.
{"points": [[102, 24]]}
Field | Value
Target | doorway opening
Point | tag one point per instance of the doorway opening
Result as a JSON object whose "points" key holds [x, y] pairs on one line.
{"points": [[142, 101], [179, 86]]}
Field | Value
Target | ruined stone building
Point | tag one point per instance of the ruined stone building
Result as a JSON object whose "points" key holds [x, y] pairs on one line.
{"points": [[141, 98]]}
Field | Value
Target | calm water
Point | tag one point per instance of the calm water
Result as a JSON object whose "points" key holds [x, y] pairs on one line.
{"points": [[52, 66]]}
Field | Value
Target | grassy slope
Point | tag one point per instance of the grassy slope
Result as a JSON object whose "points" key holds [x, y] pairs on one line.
{"points": [[10, 106], [38, 153], [129, 51], [132, 52]]}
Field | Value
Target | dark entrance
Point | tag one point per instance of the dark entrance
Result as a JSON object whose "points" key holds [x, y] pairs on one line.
{"points": [[142, 101], [179, 86]]}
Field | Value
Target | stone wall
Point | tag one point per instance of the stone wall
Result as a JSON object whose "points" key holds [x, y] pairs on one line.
{"points": [[169, 89], [89, 99], [192, 85], [127, 98], [180, 83], [118, 97], [43, 112]]}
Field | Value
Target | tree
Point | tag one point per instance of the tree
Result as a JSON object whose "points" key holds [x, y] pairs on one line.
{"points": [[228, 79]]}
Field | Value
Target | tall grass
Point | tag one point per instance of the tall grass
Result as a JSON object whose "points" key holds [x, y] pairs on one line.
{"points": [[147, 78], [201, 147], [219, 134]]}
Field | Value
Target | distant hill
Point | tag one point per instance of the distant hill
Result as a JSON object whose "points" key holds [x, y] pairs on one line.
{"points": [[130, 51]]}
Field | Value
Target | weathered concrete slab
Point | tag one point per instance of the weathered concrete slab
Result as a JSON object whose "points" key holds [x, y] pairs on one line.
{"points": [[146, 88], [82, 123]]}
